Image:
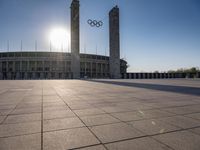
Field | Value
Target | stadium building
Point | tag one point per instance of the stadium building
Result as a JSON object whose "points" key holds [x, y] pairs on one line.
{"points": [[60, 65], [52, 65]]}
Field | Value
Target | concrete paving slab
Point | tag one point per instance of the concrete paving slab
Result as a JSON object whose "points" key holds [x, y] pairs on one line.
{"points": [[9, 106], [155, 113], [184, 110], [105, 104], [194, 116], [23, 118], [25, 142], [182, 140], [153, 126], [138, 144], [50, 97], [5, 112], [115, 132], [99, 147], [99, 119], [31, 98], [69, 139], [43, 114], [7, 130], [181, 121], [26, 111], [58, 114], [80, 106], [195, 130], [60, 124], [52, 104], [2, 119], [55, 108], [113, 109], [141, 114], [89, 112], [133, 106], [28, 105], [128, 116]]}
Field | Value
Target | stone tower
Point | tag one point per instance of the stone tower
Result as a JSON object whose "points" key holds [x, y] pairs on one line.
{"points": [[114, 43], [75, 41]]}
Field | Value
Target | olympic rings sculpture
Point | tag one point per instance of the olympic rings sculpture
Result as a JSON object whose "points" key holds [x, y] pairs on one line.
{"points": [[95, 23]]}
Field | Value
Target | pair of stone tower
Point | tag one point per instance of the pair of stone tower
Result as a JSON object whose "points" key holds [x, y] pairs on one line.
{"points": [[114, 41]]}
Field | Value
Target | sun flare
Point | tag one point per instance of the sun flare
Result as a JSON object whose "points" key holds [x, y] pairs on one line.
{"points": [[59, 38]]}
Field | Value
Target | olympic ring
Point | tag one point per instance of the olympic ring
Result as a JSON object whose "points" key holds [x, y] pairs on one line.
{"points": [[95, 23]]}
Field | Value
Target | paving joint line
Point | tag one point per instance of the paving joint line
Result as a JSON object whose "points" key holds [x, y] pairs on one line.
{"points": [[86, 146], [13, 109], [82, 122], [42, 118], [150, 136], [162, 143], [20, 135]]}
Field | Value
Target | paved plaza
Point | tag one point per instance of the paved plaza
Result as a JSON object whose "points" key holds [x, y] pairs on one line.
{"points": [[100, 115]]}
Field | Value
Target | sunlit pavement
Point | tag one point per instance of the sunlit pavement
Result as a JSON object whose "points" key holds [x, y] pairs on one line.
{"points": [[100, 115]]}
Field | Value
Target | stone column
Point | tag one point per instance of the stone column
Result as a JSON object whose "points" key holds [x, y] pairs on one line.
{"points": [[101, 71], [63, 75], [130, 75], [139, 75], [26, 75], [156, 75], [20, 66], [134, 76], [34, 75], [28, 66], [41, 75], [96, 69], [75, 41], [114, 43], [43, 68], [125, 76], [18, 75], [7, 67], [0, 66], [148, 75], [91, 70]]}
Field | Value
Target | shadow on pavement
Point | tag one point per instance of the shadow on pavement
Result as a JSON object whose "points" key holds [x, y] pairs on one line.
{"points": [[167, 88]]}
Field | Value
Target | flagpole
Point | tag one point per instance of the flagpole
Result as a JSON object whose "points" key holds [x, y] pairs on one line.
{"points": [[85, 57], [35, 45], [8, 45], [96, 61], [21, 46], [50, 46]]}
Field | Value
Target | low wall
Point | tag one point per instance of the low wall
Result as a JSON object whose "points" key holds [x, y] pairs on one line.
{"points": [[159, 75]]}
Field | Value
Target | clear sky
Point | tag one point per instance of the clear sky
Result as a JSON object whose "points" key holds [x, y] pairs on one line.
{"points": [[155, 34]]}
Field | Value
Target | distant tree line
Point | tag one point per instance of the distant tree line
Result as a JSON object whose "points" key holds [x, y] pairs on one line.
{"points": [[193, 72], [188, 72]]}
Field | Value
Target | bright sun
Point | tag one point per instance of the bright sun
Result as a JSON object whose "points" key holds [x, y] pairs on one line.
{"points": [[59, 38]]}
